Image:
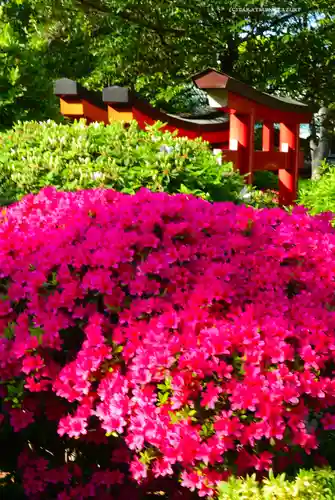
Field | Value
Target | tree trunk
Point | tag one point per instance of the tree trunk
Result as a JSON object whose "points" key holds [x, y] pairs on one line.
{"points": [[320, 141], [229, 58]]}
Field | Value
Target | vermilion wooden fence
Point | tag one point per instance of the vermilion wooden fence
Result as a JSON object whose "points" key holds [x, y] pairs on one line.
{"points": [[238, 107]]}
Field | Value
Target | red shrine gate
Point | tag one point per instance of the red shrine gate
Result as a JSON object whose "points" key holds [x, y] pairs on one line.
{"points": [[231, 129]]}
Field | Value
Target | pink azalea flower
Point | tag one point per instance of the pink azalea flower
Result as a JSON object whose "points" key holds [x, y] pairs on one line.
{"points": [[263, 461], [191, 480], [138, 470], [161, 312], [32, 363], [211, 395], [20, 419], [72, 426], [328, 422]]}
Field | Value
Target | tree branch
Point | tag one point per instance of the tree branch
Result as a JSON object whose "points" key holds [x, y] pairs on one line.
{"points": [[89, 5]]}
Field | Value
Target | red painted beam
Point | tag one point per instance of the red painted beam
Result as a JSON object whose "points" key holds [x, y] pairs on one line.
{"points": [[270, 160], [241, 138], [263, 113], [268, 136], [288, 178]]}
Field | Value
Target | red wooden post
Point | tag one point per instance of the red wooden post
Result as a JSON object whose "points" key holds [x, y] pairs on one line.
{"points": [[241, 139], [267, 136], [288, 179]]}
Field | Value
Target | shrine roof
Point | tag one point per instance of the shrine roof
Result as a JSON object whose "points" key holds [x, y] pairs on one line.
{"points": [[203, 120], [123, 96], [210, 79], [212, 121]]}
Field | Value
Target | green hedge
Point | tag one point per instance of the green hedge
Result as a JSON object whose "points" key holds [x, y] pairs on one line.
{"points": [[79, 156], [319, 195], [308, 485], [266, 180]]}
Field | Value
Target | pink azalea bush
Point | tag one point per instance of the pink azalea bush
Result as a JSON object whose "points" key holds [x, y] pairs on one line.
{"points": [[151, 339]]}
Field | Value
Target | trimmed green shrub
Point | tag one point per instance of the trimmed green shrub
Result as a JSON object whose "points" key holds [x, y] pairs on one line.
{"points": [[319, 195], [79, 156], [308, 485], [261, 199], [265, 180]]}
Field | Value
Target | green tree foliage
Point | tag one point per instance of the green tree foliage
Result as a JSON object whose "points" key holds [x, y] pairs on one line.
{"points": [[155, 46], [36, 48]]}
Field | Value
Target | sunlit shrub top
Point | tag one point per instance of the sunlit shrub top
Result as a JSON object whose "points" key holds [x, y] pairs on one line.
{"points": [[76, 156], [318, 195]]}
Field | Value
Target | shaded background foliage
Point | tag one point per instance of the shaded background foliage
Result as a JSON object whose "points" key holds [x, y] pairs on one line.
{"points": [[155, 46]]}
